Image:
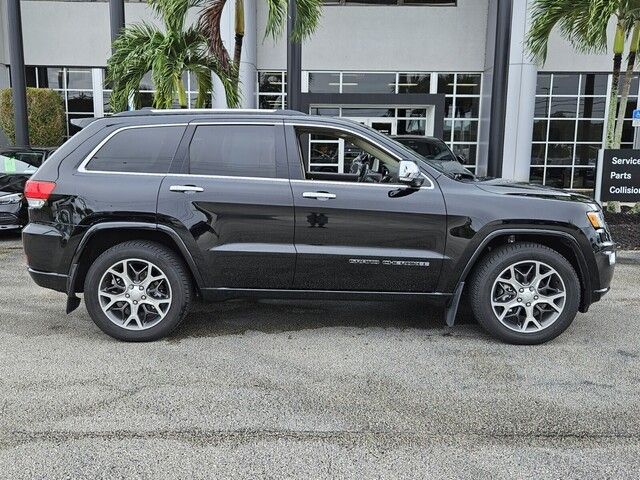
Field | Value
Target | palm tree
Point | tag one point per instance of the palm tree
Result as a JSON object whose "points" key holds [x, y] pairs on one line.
{"points": [[167, 54], [307, 20], [584, 24]]}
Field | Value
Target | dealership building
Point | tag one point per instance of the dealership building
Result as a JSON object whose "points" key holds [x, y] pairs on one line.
{"points": [[453, 69]]}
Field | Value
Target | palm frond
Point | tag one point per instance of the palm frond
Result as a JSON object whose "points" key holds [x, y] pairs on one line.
{"points": [[277, 18], [173, 12], [579, 21], [134, 53], [308, 17], [209, 25]]}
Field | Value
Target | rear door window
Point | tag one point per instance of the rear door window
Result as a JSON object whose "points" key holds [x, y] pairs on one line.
{"points": [[234, 150], [138, 150]]}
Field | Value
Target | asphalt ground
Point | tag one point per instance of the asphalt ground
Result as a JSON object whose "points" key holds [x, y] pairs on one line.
{"points": [[276, 389]]}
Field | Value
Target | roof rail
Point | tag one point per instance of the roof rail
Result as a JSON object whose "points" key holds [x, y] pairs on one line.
{"points": [[203, 111]]}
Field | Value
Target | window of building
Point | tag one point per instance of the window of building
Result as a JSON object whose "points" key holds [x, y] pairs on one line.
{"points": [[462, 113], [73, 84], [138, 150], [272, 93], [569, 128], [233, 150], [148, 89]]}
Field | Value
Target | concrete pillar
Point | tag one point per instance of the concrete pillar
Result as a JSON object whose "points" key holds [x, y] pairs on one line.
{"points": [[294, 62], [521, 92], [18, 82], [116, 17], [248, 81]]}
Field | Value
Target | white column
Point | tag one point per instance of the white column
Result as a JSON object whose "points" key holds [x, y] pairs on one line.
{"points": [[249, 54], [523, 74], [98, 92]]}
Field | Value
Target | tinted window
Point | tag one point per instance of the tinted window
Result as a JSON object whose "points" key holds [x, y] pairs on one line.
{"points": [[234, 150], [136, 150]]}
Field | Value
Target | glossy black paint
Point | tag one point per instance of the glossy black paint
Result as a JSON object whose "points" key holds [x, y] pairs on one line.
{"points": [[261, 237]]}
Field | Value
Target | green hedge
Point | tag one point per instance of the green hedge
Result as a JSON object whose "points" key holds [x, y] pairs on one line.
{"points": [[47, 124]]}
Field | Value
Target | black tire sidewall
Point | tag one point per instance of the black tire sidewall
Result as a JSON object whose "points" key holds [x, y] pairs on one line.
{"points": [[500, 260], [163, 259]]}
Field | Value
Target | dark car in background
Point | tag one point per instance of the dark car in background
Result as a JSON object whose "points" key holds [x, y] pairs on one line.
{"points": [[435, 150], [16, 167]]}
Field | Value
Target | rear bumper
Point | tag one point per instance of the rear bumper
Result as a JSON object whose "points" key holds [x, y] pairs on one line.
{"points": [[44, 245], [54, 281]]}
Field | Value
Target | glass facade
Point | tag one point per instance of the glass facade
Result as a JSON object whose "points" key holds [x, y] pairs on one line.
{"points": [[569, 128], [147, 89], [462, 91], [85, 93], [462, 113], [272, 94], [74, 85]]}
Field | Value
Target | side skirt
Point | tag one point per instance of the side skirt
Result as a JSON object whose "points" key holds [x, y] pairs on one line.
{"points": [[218, 294]]}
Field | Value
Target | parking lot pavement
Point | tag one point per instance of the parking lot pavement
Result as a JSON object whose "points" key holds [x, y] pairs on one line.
{"points": [[307, 389]]}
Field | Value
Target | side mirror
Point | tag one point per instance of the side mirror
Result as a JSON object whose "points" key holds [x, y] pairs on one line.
{"points": [[410, 174], [461, 159]]}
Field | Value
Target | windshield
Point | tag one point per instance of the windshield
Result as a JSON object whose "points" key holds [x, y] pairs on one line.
{"points": [[436, 153], [19, 163]]}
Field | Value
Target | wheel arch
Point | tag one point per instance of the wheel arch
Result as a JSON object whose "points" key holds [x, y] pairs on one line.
{"points": [[105, 235], [562, 242]]}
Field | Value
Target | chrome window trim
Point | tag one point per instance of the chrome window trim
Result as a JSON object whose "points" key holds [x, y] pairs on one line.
{"points": [[361, 184], [226, 177], [82, 168], [431, 185]]}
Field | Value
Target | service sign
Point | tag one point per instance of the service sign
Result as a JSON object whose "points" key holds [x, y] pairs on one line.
{"points": [[619, 176]]}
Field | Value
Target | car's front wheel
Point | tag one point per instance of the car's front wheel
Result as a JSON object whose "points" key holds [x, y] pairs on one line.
{"points": [[525, 293], [137, 291]]}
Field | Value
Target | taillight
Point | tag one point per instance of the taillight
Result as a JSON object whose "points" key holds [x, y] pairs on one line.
{"points": [[38, 192]]}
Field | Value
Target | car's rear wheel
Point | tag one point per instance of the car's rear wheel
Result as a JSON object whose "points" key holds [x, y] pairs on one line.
{"points": [[138, 291], [525, 293]]}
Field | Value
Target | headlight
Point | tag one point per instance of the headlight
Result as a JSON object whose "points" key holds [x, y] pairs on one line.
{"points": [[596, 219], [13, 198]]}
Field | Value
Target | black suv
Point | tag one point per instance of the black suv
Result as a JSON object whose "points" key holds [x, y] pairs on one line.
{"points": [[146, 211]]}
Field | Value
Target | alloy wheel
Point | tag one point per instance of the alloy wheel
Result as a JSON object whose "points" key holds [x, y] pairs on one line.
{"points": [[528, 296], [134, 294]]}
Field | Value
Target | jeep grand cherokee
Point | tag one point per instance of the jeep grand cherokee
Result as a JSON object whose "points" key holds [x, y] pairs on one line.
{"points": [[144, 211]]}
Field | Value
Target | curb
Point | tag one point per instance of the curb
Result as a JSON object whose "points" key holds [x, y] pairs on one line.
{"points": [[628, 257]]}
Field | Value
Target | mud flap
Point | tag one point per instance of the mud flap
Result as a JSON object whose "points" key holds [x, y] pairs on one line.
{"points": [[452, 309], [72, 300]]}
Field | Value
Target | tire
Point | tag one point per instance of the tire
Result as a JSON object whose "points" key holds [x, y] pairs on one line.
{"points": [[491, 286], [161, 304]]}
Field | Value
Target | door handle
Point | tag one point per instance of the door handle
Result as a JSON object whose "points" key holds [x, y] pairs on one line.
{"points": [[185, 188], [319, 195]]}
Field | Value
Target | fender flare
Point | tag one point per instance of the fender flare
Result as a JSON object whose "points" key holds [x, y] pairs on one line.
{"points": [[584, 273], [73, 301]]}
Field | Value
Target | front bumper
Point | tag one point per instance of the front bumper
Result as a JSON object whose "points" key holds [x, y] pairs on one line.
{"points": [[605, 259]]}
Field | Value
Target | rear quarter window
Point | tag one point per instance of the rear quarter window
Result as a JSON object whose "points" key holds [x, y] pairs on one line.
{"points": [[138, 150]]}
